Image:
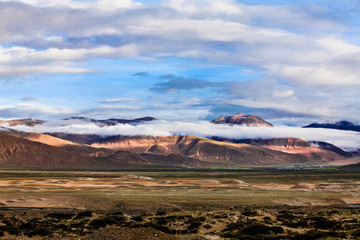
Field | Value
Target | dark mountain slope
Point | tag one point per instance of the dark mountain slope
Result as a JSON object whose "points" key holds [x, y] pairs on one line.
{"points": [[78, 138], [342, 125]]}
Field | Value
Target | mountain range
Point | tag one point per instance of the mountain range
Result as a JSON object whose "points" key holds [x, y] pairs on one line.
{"points": [[112, 121], [107, 122], [90, 151]]}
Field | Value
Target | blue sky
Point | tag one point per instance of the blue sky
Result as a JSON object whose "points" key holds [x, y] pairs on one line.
{"points": [[290, 62]]}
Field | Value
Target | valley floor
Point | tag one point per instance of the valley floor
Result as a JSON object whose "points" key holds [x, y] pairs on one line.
{"points": [[246, 204]]}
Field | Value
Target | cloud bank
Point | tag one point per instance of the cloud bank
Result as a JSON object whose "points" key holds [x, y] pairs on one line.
{"points": [[347, 140]]}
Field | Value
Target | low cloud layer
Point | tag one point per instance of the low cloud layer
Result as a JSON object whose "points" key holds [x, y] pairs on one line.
{"points": [[347, 140]]}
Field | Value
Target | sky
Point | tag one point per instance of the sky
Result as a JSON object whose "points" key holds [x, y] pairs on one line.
{"points": [[290, 62]]}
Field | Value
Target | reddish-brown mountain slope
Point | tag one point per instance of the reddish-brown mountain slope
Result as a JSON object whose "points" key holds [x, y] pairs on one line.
{"points": [[41, 150], [15, 151], [299, 146], [42, 138], [213, 152], [292, 146]]}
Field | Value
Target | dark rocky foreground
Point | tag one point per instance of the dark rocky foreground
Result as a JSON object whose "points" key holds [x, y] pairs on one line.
{"points": [[239, 222]]}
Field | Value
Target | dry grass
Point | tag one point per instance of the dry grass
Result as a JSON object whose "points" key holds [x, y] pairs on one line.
{"points": [[180, 205], [101, 190]]}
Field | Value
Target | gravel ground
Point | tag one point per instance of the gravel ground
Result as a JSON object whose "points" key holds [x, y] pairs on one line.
{"points": [[123, 233]]}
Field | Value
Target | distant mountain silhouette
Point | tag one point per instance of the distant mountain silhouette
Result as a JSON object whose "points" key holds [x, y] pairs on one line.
{"points": [[112, 121], [341, 125]]}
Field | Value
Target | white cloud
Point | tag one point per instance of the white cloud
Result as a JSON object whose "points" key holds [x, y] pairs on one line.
{"points": [[188, 101], [31, 109], [111, 5], [290, 107], [345, 139], [338, 46], [322, 74], [41, 69], [283, 94], [252, 35], [20, 61], [56, 39], [105, 5], [120, 100], [209, 30], [15, 55], [129, 50]]}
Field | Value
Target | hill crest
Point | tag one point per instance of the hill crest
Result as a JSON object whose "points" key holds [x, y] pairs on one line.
{"points": [[243, 120]]}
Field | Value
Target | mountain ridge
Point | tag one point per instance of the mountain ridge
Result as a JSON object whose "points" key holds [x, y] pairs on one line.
{"points": [[113, 121], [243, 120], [24, 121], [340, 125], [215, 152], [16, 151], [295, 146], [107, 122], [116, 151]]}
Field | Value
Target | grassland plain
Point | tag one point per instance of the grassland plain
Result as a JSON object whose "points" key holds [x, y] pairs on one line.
{"points": [[241, 204]]}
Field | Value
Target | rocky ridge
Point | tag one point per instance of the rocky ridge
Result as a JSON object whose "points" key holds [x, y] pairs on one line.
{"points": [[243, 120]]}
